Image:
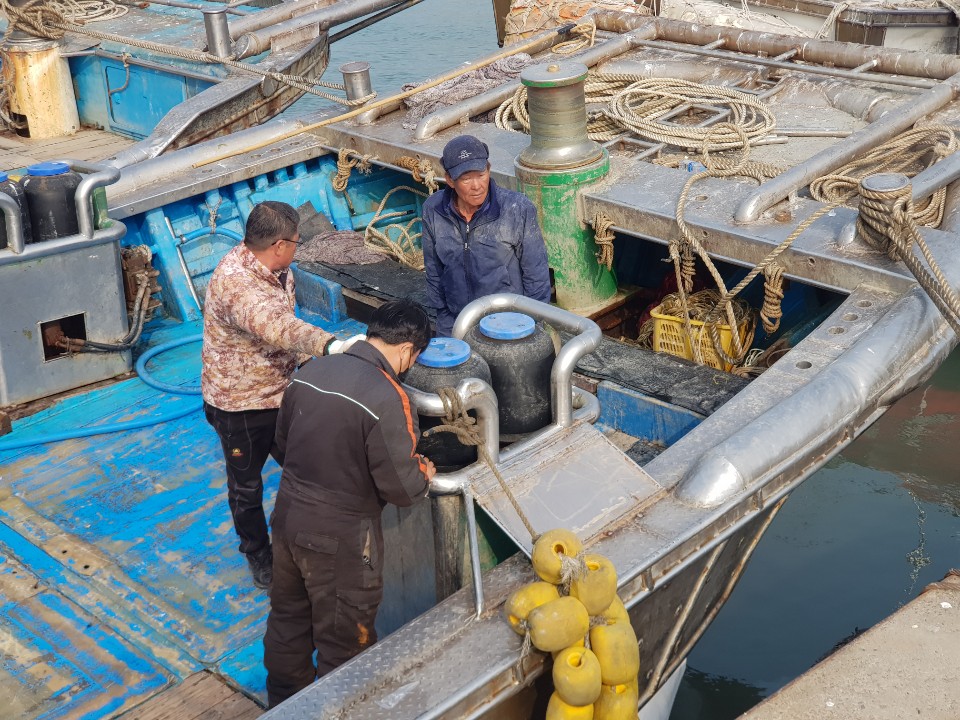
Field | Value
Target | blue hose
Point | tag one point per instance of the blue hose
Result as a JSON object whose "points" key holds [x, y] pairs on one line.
{"points": [[200, 232], [130, 424], [152, 381]]}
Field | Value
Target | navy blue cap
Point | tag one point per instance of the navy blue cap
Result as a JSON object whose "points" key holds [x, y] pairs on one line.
{"points": [[53, 167], [445, 352], [463, 154], [507, 326]]}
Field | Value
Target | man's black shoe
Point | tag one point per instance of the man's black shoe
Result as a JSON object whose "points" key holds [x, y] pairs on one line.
{"points": [[261, 567]]}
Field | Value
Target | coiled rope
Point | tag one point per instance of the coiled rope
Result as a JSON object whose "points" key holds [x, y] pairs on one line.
{"points": [[422, 171], [886, 222], [404, 248], [603, 237], [50, 19], [348, 159], [909, 154], [730, 167], [457, 421], [641, 105]]}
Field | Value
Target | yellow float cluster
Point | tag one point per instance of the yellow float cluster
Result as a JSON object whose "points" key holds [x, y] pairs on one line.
{"points": [[574, 612]]}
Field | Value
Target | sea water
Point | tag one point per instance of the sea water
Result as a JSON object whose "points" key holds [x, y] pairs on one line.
{"points": [[856, 541]]}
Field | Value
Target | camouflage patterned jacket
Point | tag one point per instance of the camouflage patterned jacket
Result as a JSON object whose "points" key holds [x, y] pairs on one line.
{"points": [[252, 341]]}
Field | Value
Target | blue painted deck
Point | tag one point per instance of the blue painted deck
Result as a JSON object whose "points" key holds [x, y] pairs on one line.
{"points": [[119, 569]]}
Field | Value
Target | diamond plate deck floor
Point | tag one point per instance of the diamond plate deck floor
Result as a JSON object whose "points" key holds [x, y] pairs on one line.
{"points": [[119, 570]]}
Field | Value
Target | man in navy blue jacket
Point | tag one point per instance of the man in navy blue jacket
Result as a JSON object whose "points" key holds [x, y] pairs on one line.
{"points": [[479, 238]]}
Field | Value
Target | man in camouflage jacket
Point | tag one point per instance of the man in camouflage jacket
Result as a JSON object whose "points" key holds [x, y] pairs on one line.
{"points": [[252, 343]]}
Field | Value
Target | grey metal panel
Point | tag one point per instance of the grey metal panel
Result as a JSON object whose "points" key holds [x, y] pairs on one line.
{"points": [[85, 280], [577, 480]]}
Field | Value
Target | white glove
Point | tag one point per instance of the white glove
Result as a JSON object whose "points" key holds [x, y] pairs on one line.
{"points": [[338, 346]]}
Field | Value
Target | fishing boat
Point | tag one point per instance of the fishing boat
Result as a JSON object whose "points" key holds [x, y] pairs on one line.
{"points": [[929, 25], [800, 195], [127, 81]]}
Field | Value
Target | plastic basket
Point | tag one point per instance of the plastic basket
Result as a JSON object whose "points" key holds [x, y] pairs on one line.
{"points": [[669, 336]]}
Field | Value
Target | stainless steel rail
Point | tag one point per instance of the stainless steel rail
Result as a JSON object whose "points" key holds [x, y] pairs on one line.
{"points": [[475, 395], [890, 125], [95, 175], [254, 34], [588, 337], [924, 185]]}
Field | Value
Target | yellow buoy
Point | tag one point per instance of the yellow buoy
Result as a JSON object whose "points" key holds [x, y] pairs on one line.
{"points": [[597, 588], [616, 612], [618, 652], [578, 644], [525, 599], [576, 676], [557, 709], [617, 702], [548, 549], [558, 624]]}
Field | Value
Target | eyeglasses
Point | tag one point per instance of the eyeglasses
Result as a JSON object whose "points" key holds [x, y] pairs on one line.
{"points": [[295, 242]]}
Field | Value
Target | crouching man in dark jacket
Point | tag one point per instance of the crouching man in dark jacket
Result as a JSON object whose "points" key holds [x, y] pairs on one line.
{"points": [[347, 439]]}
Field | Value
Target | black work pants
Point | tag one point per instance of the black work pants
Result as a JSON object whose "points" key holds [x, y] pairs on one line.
{"points": [[247, 439], [325, 594]]}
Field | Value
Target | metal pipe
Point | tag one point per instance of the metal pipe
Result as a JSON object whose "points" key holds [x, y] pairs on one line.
{"points": [[813, 132], [218, 32], [137, 175], [253, 34], [372, 20], [475, 395], [474, 542], [924, 185], [799, 176], [586, 409], [847, 55], [95, 175], [588, 337], [938, 175], [74, 242], [735, 56], [195, 6], [451, 115], [13, 224], [951, 209]]}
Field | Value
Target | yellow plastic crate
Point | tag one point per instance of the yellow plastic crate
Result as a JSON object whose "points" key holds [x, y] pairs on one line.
{"points": [[669, 336]]}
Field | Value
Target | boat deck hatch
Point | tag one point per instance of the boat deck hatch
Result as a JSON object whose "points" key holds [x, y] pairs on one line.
{"points": [[576, 479]]}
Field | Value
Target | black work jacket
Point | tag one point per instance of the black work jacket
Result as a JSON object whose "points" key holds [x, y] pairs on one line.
{"points": [[346, 437]]}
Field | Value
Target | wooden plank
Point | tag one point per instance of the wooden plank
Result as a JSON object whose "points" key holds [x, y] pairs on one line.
{"points": [[202, 696], [235, 707]]}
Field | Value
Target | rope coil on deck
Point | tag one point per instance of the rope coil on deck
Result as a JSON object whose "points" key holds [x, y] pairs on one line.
{"points": [[886, 223], [909, 154], [633, 103], [404, 249]]}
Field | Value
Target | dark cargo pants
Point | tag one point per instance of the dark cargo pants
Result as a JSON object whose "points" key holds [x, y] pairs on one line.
{"points": [[325, 594], [247, 439]]}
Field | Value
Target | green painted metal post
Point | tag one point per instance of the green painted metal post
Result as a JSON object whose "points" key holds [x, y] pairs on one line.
{"points": [[561, 162]]}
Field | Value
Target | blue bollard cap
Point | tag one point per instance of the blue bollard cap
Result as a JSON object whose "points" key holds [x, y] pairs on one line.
{"points": [[444, 352], [507, 326], [53, 167]]}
